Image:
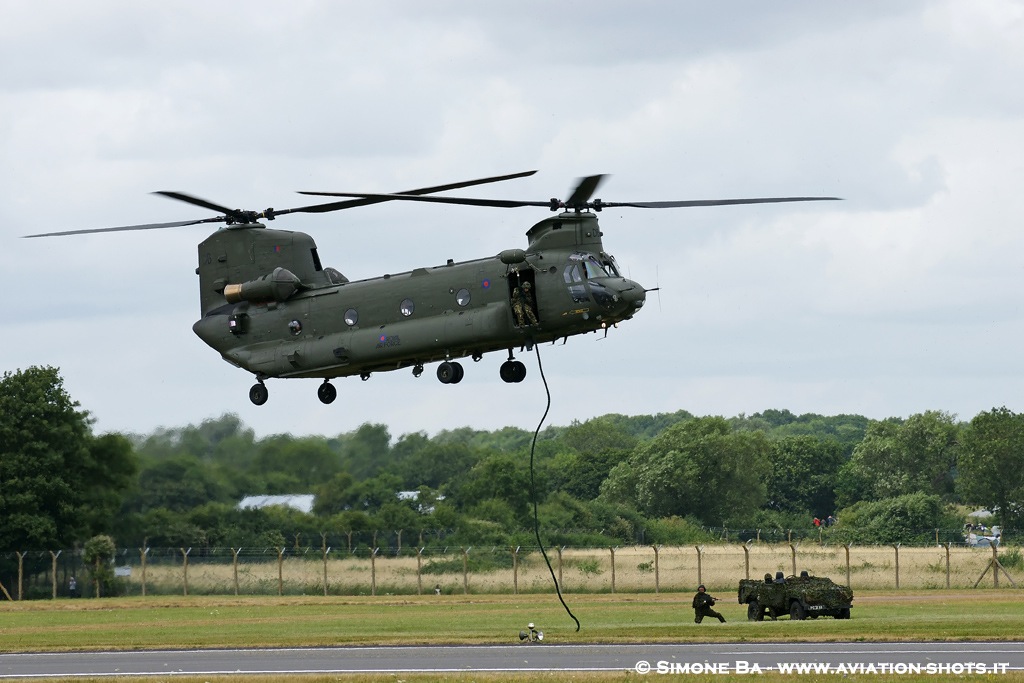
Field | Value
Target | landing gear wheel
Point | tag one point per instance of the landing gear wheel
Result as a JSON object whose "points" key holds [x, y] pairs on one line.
{"points": [[326, 393], [518, 371], [506, 372], [796, 612], [449, 372], [258, 393]]}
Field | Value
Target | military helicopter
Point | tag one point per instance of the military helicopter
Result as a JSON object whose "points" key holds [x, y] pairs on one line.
{"points": [[270, 307]]}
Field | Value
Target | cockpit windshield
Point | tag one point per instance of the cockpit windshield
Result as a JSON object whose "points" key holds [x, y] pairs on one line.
{"points": [[592, 266]]}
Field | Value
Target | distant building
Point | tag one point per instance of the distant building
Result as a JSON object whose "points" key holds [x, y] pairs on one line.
{"points": [[303, 502], [415, 496]]}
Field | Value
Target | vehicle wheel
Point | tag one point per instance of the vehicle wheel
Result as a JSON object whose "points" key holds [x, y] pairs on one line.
{"points": [[326, 393], [518, 372], [507, 372], [754, 611], [258, 394], [446, 372], [844, 613], [460, 372], [796, 611]]}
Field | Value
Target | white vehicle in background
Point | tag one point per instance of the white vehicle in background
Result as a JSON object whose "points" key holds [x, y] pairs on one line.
{"points": [[980, 536]]}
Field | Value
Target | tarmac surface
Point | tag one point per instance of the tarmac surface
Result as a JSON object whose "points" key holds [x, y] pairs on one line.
{"points": [[865, 658]]}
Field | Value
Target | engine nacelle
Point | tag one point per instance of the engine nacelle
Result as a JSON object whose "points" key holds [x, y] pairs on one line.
{"points": [[278, 286]]}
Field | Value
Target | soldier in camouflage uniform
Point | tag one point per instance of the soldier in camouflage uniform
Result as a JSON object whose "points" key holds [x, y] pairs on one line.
{"points": [[522, 305], [702, 604]]}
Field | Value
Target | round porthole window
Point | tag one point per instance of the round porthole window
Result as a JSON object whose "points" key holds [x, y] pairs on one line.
{"points": [[462, 297], [407, 307], [351, 317], [295, 327]]}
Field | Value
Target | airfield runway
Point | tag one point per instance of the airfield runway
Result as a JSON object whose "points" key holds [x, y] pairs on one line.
{"points": [[893, 658]]}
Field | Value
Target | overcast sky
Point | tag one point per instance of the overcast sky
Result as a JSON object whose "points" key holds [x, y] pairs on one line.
{"points": [[904, 297]]}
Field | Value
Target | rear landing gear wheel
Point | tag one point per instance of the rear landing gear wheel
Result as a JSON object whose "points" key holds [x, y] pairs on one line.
{"points": [[326, 393], [258, 393], [450, 372]]}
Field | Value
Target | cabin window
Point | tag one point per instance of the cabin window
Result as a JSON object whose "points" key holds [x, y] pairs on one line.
{"points": [[407, 307], [462, 297], [295, 327], [351, 317]]}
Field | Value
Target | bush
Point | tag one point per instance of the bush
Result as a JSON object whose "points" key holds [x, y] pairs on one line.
{"points": [[910, 519]]}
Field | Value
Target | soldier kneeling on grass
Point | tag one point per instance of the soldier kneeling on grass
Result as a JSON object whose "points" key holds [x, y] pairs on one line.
{"points": [[702, 604]]}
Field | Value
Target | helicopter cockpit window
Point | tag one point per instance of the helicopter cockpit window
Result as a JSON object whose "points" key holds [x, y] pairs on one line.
{"points": [[462, 297], [351, 317], [595, 268], [572, 273], [407, 307], [610, 265]]}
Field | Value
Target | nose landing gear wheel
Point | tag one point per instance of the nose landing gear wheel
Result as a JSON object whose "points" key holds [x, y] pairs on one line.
{"points": [[258, 393], [512, 371], [326, 393]]}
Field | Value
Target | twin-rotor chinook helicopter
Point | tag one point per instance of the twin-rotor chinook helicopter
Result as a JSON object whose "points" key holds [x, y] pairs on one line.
{"points": [[270, 307]]}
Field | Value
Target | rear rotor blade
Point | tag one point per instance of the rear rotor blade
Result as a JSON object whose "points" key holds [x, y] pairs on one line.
{"points": [[365, 199], [469, 201], [144, 226]]}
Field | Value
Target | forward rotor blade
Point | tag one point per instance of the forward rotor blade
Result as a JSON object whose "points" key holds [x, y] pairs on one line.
{"points": [[717, 202], [584, 190]]}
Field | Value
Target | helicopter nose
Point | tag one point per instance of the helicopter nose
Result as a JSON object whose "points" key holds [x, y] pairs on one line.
{"points": [[633, 295]]}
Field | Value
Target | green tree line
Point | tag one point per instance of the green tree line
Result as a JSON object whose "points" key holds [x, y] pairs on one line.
{"points": [[662, 478]]}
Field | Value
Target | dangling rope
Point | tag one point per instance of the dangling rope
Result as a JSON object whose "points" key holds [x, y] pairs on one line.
{"points": [[533, 490]]}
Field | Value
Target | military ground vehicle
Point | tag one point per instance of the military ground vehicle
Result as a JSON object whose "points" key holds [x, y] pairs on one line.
{"points": [[798, 596]]}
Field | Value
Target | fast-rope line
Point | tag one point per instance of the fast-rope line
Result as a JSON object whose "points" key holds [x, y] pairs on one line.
{"points": [[533, 490]]}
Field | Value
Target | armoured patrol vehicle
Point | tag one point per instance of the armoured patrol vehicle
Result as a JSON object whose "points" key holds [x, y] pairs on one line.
{"points": [[798, 596]]}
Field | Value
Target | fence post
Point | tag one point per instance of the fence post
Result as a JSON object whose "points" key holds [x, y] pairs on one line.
{"points": [[280, 571], [947, 563], [515, 570], [143, 552], [746, 556], [792, 550], [700, 556], [657, 582], [419, 569], [373, 571], [995, 568], [21, 574], [897, 549], [465, 570], [184, 567], [398, 550], [847, 546], [53, 571], [326, 549], [560, 567]]}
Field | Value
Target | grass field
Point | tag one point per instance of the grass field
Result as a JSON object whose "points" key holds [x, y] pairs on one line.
{"points": [[635, 569], [257, 621]]}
